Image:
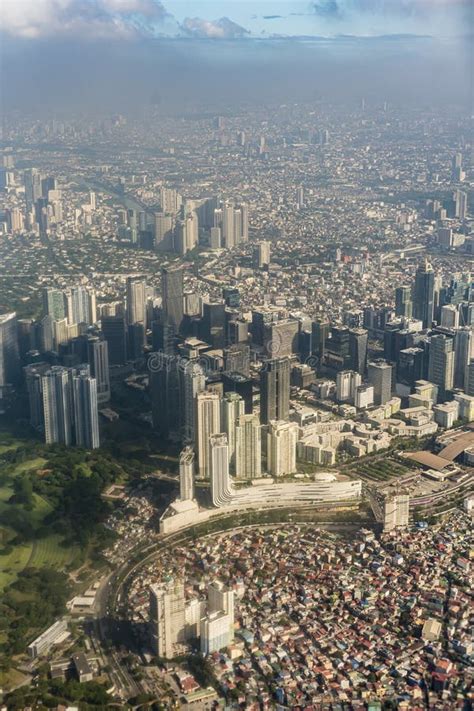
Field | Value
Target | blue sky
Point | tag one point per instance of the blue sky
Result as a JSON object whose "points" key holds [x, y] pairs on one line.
{"points": [[233, 19]]}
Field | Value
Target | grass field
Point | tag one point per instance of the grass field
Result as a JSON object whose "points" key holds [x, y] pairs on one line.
{"points": [[43, 552]]}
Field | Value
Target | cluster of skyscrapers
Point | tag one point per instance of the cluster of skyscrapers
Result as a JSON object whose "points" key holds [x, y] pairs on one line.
{"points": [[175, 622]]}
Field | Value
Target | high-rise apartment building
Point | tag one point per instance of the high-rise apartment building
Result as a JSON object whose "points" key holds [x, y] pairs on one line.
{"points": [[186, 474], [208, 423], [403, 302], [248, 445], [232, 407], [396, 509], [281, 447], [167, 617], [56, 393]]}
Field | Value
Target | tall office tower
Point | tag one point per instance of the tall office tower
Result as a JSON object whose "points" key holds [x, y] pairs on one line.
{"points": [[347, 382], [220, 598], [113, 328], [9, 351], [132, 219], [358, 339], [319, 337], [262, 254], [26, 336], [231, 296], [46, 334], [32, 179], [450, 316], [57, 406], [172, 293], [459, 205], [403, 302], [192, 232], [221, 488], [53, 304], [208, 423], [193, 383], [186, 474], [166, 394], [281, 447], [80, 305], [300, 197], [136, 338], [275, 390], [136, 300], [215, 238], [33, 378], [213, 324], [380, 376], [163, 337], [281, 338], [469, 390], [337, 348], [170, 200], [228, 230], [424, 295], [464, 352], [238, 331], [86, 416], [240, 384], [248, 445], [441, 364], [60, 333], [396, 509], [164, 231], [244, 212], [237, 359], [167, 617], [98, 359], [232, 407], [456, 167], [410, 366]]}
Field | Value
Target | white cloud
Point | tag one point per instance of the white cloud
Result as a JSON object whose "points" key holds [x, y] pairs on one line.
{"points": [[212, 29], [88, 18]]}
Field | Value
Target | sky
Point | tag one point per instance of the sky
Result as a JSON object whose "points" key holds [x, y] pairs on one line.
{"points": [[122, 55], [233, 19]]}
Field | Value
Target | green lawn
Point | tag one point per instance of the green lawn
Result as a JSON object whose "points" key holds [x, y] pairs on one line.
{"points": [[48, 552], [40, 553]]}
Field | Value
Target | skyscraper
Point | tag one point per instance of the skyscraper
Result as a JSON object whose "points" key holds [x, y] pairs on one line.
{"points": [[248, 445], [98, 358], [136, 300], [208, 423], [172, 292], [193, 383], [358, 339], [166, 394], [403, 302], [9, 352], [219, 469], [57, 406], [380, 376], [113, 328], [275, 390], [86, 417], [464, 352], [424, 294], [232, 407], [53, 303], [281, 447], [167, 617], [441, 363], [186, 474]]}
